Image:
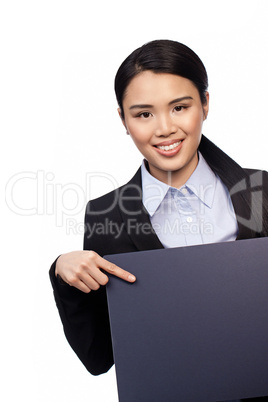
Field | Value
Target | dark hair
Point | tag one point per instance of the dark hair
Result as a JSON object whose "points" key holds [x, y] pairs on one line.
{"points": [[162, 56]]}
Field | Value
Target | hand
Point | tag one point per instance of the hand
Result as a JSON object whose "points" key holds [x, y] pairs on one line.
{"points": [[82, 269]]}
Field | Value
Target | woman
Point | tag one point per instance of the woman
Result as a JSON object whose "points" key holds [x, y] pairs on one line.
{"points": [[186, 192]]}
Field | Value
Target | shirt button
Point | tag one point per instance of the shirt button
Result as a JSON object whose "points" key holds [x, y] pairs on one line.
{"points": [[189, 219], [184, 191]]}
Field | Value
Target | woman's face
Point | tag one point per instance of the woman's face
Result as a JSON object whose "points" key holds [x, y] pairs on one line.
{"points": [[164, 117]]}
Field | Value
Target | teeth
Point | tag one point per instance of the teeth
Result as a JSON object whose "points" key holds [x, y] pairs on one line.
{"points": [[169, 147]]}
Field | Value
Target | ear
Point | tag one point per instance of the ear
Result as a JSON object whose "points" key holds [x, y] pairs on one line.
{"points": [[120, 115], [123, 121], [206, 107]]}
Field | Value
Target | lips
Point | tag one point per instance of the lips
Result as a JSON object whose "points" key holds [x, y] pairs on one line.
{"points": [[169, 148]]}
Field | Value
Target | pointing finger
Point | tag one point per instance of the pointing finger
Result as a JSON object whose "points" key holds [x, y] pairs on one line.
{"points": [[116, 271]]}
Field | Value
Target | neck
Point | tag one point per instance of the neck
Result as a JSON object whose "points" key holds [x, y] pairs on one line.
{"points": [[176, 178]]}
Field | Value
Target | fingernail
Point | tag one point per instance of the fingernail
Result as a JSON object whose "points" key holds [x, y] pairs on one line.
{"points": [[131, 278]]}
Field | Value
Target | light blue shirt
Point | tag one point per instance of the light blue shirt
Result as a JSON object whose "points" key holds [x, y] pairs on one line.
{"points": [[199, 212]]}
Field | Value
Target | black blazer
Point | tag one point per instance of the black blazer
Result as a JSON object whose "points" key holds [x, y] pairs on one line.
{"points": [[116, 223]]}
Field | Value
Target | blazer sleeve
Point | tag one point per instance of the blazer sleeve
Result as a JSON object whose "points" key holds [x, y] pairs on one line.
{"points": [[85, 319], [85, 316]]}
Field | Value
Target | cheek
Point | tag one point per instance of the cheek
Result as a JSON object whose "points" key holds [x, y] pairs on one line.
{"points": [[193, 124], [138, 133]]}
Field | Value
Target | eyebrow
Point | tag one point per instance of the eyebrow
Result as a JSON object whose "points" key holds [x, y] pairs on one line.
{"points": [[145, 106]]}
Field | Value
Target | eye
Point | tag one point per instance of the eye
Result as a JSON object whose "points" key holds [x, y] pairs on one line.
{"points": [[144, 115], [178, 108]]}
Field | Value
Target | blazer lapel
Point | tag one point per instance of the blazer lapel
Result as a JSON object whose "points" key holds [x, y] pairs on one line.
{"points": [[241, 199], [135, 216], [244, 232]]}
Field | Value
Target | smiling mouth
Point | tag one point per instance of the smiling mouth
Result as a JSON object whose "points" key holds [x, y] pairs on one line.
{"points": [[168, 147]]}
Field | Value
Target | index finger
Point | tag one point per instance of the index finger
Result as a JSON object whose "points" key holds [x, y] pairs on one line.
{"points": [[115, 270]]}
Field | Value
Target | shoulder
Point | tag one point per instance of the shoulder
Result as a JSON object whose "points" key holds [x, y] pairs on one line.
{"points": [[229, 171], [110, 200], [257, 178], [106, 226], [252, 171]]}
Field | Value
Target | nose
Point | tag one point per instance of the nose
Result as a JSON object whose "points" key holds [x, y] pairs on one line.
{"points": [[165, 126]]}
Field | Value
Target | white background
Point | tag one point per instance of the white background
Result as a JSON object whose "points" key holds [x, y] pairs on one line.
{"points": [[60, 130]]}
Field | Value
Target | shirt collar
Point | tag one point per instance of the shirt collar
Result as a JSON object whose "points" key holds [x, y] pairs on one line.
{"points": [[153, 190], [201, 183]]}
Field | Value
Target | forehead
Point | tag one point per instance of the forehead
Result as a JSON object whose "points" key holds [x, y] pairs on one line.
{"points": [[148, 86]]}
